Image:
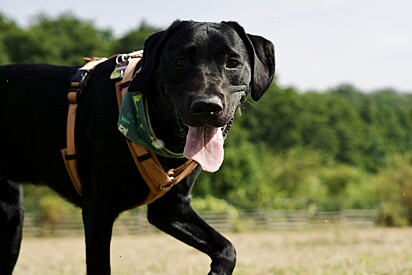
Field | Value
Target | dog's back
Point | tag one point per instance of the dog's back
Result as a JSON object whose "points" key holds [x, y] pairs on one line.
{"points": [[33, 111]]}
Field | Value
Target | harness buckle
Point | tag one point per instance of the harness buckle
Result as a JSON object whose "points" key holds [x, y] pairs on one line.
{"points": [[79, 78], [76, 84]]}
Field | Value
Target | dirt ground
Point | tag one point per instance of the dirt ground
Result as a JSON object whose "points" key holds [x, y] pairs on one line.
{"points": [[328, 250]]}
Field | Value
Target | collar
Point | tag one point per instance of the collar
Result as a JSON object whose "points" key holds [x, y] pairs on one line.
{"points": [[134, 124]]}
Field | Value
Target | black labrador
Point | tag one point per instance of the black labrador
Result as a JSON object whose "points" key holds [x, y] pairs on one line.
{"points": [[194, 76]]}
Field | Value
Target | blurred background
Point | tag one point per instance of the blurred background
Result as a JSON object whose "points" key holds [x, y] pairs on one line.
{"points": [[332, 134]]}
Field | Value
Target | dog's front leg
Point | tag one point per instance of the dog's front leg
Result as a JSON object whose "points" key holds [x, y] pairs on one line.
{"points": [[11, 224], [174, 215], [98, 220]]}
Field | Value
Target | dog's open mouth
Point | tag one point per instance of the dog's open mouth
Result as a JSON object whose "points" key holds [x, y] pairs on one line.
{"points": [[204, 143], [205, 146]]}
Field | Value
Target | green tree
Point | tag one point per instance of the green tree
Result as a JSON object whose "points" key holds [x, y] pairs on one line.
{"points": [[7, 28], [134, 39], [316, 131], [66, 40], [276, 119]]}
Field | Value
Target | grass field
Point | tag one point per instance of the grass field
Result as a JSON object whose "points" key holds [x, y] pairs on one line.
{"points": [[328, 250]]}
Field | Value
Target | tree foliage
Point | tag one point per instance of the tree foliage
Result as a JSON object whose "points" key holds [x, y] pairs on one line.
{"points": [[64, 40], [327, 150]]}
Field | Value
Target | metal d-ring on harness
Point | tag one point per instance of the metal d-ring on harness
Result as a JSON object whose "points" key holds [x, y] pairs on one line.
{"points": [[157, 179]]}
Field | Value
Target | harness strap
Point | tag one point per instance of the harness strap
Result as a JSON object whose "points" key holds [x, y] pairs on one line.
{"points": [[76, 85], [157, 179]]}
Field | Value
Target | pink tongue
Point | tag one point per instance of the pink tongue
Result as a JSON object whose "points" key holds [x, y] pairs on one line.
{"points": [[205, 146]]}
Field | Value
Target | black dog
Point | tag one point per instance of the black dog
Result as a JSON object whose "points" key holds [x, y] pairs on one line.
{"points": [[194, 75]]}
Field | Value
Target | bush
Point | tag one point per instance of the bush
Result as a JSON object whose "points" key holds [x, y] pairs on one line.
{"points": [[393, 187]]}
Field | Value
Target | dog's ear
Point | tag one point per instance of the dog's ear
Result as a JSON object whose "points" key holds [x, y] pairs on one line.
{"points": [[262, 58], [150, 61]]}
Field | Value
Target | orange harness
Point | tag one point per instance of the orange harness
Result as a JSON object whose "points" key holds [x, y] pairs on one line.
{"points": [[157, 179]]}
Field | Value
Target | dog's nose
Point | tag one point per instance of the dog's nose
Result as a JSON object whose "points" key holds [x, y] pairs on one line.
{"points": [[206, 106]]}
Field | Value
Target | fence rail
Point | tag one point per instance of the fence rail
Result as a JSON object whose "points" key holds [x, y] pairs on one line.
{"points": [[136, 223]]}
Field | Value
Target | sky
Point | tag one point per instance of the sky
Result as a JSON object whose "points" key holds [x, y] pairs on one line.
{"points": [[319, 44]]}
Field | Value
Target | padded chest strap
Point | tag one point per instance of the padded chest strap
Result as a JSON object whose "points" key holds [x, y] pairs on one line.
{"points": [[157, 179]]}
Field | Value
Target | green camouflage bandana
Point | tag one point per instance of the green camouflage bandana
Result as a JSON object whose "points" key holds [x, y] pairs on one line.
{"points": [[134, 124]]}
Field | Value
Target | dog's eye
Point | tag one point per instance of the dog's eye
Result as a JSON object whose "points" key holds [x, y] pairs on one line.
{"points": [[232, 63], [180, 61]]}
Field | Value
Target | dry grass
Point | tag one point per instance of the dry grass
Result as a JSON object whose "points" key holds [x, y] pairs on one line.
{"points": [[328, 250]]}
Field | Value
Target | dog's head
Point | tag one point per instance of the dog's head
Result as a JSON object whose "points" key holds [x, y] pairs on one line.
{"points": [[206, 71]]}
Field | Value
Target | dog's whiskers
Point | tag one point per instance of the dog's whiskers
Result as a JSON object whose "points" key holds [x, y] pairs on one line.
{"points": [[182, 131], [226, 128]]}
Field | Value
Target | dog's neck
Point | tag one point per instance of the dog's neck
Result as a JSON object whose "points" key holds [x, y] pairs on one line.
{"points": [[163, 119]]}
